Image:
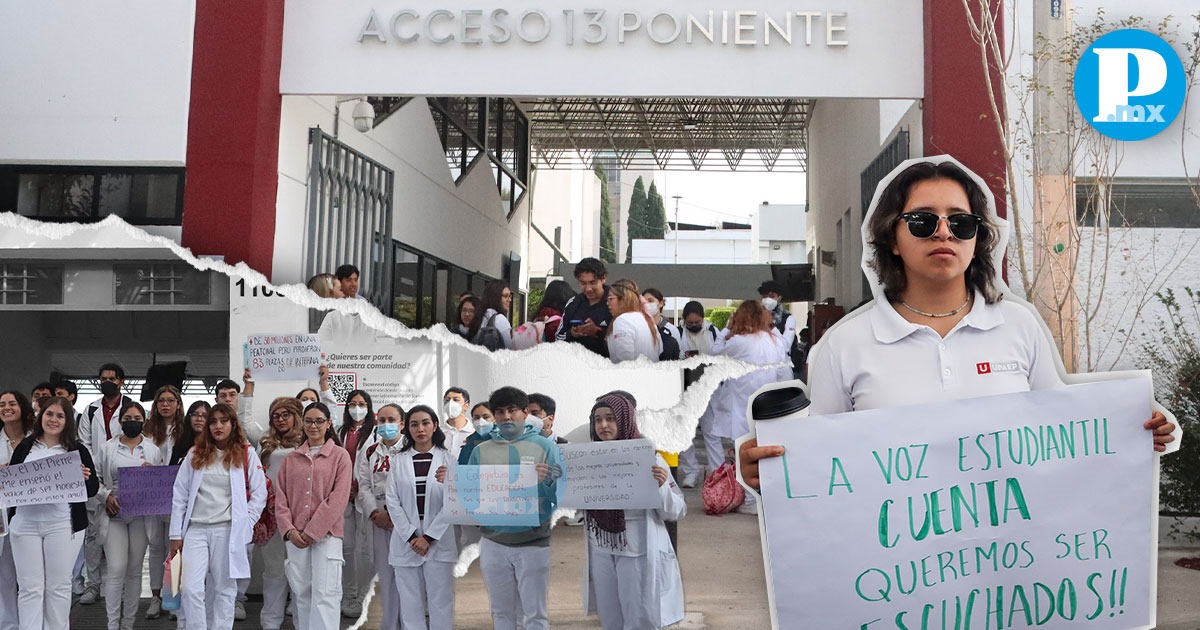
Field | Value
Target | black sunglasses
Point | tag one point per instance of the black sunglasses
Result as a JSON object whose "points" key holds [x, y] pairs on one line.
{"points": [[923, 224]]}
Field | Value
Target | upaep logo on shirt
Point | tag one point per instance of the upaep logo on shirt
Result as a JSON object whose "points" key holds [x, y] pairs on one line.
{"points": [[988, 367]]}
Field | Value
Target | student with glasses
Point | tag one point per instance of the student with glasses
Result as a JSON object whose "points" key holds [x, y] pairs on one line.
{"points": [[283, 437], [496, 305], [219, 494], [125, 538], [314, 487], [164, 426], [934, 244]]}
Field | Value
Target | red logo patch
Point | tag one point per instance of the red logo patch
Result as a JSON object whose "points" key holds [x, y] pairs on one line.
{"points": [[984, 368]]}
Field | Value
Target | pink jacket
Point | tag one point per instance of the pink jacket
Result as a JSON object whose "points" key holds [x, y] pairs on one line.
{"points": [[313, 492]]}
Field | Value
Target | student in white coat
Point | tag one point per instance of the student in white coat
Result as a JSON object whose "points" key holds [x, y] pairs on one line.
{"points": [[219, 494], [164, 425], [125, 538], [700, 337], [373, 471], [631, 575], [632, 333], [283, 437], [423, 548], [16, 414]]}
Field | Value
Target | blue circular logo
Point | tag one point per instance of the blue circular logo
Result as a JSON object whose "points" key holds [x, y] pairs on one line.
{"points": [[1130, 85]]}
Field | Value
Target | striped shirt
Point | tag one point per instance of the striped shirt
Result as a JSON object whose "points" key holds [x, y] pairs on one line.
{"points": [[421, 464]]}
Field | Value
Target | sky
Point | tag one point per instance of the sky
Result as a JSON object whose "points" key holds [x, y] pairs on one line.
{"points": [[712, 196]]}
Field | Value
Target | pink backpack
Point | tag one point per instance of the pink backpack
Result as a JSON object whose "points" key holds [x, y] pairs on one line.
{"points": [[530, 334], [721, 492]]}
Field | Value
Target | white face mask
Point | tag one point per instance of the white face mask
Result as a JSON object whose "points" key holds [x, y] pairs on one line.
{"points": [[651, 309], [306, 403], [534, 422], [454, 409], [770, 303], [358, 413], [482, 427]]}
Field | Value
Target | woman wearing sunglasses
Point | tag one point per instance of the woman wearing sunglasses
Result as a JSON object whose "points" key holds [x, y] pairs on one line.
{"points": [[935, 246]]}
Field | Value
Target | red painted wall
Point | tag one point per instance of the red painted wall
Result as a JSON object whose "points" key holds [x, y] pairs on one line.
{"points": [[233, 132], [957, 115]]}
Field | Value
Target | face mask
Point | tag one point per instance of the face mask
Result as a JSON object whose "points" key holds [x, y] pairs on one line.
{"points": [[695, 329], [306, 404], [651, 309], [482, 426], [535, 422], [131, 429], [454, 409], [109, 389], [510, 430], [770, 303], [388, 431], [358, 413]]}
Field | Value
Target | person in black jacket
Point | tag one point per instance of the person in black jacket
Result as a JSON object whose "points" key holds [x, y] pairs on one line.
{"points": [[46, 537]]}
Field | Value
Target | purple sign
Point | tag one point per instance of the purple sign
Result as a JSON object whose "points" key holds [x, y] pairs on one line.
{"points": [[145, 490]]}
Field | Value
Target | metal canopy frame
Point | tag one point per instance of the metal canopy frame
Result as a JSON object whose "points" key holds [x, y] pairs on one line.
{"points": [[735, 134]]}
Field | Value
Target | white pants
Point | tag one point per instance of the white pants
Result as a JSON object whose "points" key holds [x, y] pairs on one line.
{"points": [[518, 584], [93, 547], [386, 591], [623, 589], [244, 583], [713, 446], [431, 583], [125, 548], [44, 553], [275, 585], [158, 548], [315, 575], [8, 586], [206, 556], [356, 576]]}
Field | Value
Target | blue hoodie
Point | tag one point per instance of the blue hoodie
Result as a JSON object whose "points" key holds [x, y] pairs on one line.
{"points": [[496, 450]]}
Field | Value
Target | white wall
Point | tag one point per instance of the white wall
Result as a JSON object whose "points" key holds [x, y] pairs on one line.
{"points": [[719, 247], [843, 140], [569, 199], [462, 224], [95, 82]]}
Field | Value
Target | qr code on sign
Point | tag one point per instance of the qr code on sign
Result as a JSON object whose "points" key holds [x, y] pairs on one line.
{"points": [[341, 384]]}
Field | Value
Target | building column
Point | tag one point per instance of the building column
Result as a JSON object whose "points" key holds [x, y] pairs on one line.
{"points": [[233, 132]]}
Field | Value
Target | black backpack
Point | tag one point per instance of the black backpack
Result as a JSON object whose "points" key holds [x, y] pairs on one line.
{"points": [[670, 344], [488, 336]]}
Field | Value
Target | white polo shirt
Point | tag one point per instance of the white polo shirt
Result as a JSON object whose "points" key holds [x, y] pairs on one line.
{"points": [[879, 359]]}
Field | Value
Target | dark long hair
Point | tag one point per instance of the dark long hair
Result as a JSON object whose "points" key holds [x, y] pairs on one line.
{"points": [[439, 438], [156, 425], [476, 320], [981, 272], [493, 297], [368, 424], [27, 416], [556, 296], [187, 435], [68, 439]]}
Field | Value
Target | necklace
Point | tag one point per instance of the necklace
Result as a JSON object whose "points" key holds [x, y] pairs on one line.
{"points": [[950, 314]]}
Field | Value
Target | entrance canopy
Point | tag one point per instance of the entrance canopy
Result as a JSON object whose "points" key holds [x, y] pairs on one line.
{"points": [[750, 134]]}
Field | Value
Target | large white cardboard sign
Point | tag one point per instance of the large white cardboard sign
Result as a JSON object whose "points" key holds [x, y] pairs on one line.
{"points": [[56, 479], [612, 475], [283, 357], [1014, 511]]}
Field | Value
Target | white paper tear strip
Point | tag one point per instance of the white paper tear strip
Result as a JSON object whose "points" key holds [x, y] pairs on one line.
{"points": [[667, 414]]}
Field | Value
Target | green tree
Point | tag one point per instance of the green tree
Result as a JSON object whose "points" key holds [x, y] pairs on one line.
{"points": [[608, 240], [636, 219], [656, 214]]}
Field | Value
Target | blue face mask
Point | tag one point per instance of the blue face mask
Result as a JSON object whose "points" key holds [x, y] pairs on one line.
{"points": [[388, 431]]}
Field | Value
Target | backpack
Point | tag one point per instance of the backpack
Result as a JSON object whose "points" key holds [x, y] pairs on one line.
{"points": [[796, 353], [488, 336], [265, 527], [530, 334], [670, 344]]}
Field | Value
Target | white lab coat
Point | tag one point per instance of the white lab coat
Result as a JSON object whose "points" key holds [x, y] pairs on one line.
{"points": [[762, 348], [630, 338], [402, 506], [660, 560], [107, 469], [245, 513]]}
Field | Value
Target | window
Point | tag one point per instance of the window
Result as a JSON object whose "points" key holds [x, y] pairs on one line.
{"points": [[141, 196], [160, 284], [415, 288], [27, 283], [469, 127], [1137, 204]]}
